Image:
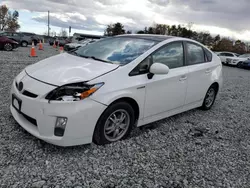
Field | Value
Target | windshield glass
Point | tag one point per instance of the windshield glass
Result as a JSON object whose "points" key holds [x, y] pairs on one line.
{"points": [[245, 55], [118, 50]]}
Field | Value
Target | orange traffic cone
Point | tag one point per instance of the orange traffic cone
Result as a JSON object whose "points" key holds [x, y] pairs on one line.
{"points": [[40, 46], [33, 51], [61, 50], [54, 45]]}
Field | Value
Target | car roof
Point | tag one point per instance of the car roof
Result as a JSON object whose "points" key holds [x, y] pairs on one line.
{"points": [[157, 38]]}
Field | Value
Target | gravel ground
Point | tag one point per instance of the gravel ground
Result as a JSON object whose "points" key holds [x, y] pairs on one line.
{"points": [[192, 149]]}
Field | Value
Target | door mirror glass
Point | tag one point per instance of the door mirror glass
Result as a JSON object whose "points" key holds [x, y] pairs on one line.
{"points": [[159, 68]]}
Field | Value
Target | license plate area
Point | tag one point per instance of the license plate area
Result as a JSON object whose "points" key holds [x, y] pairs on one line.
{"points": [[16, 103]]}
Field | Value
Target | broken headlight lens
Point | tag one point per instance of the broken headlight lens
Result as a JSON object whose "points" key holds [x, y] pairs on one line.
{"points": [[73, 92]]}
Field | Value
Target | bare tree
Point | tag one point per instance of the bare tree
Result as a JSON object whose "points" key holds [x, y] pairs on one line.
{"points": [[8, 20], [63, 33]]}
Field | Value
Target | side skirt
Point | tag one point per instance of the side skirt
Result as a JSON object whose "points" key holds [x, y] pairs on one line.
{"points": [[168, 113]]}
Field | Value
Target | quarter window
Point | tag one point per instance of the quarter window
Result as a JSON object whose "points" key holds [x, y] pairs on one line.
{"points": [[171, 55], [208, 55], [195, 54]]}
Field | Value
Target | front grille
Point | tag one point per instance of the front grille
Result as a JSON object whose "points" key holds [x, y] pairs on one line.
{"points": [[30, 119], [29, 94]]}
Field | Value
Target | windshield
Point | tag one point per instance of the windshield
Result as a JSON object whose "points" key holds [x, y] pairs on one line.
{"points": [[245, 55], [118, 50]]}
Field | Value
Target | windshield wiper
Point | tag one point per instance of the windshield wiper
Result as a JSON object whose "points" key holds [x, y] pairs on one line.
{"points": [[95, 58]]}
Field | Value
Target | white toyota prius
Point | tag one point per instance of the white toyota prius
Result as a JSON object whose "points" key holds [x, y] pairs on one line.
{"points": [[100, 91]]}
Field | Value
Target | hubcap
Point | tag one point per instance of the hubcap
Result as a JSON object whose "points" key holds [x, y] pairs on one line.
{"points": [[116, 125], [8, 47], [24, 44], [210, 97]]}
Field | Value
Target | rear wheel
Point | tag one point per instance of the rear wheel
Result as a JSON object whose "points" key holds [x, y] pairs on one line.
{"points": [[114, 124], [24, 44], [209, 98], [8, 47]]}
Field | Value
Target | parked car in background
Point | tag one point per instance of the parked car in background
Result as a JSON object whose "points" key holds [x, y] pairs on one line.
{"points": [[99, 92], [23, 38], [72, 46], [244, 64], [63, 41], [236, 61], [59, 41], [224, 55], [7, 44], [34, 38]]}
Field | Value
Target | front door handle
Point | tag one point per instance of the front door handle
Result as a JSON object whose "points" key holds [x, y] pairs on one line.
{"points": [[208, 71], [182, 78]]}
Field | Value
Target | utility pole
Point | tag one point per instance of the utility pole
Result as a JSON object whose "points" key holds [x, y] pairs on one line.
{"points": [[48, 23]]}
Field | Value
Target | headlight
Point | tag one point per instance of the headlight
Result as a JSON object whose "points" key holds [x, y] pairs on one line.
{"points": [[73, 92]]}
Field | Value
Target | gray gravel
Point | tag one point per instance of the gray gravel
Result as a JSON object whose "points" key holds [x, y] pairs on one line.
{"points": [[192, 149]]}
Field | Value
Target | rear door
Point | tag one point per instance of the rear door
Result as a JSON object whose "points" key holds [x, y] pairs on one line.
{"points": [[200, 68]]}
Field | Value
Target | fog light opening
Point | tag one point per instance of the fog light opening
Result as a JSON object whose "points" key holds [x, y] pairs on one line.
{"points": [[61, 123]]}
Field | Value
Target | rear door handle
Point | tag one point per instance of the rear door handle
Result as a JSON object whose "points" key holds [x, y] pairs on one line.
{"points": [[182, 78], [208, 71]]}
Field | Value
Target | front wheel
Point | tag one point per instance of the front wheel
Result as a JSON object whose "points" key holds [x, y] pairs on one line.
{"points": [[209, 98], [114, 124], [239, 64], [8, 47]]}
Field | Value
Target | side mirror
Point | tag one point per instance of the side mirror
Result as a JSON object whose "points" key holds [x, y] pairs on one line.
{"points": [[159, 68]]}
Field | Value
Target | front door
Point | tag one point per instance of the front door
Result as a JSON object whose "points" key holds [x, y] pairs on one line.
{"points": [[167, 92]]}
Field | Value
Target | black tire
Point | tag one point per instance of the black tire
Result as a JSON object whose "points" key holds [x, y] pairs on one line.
{"points": [[24, 44], [8, 47], [239, 65], [99, 137], [206, 106]]}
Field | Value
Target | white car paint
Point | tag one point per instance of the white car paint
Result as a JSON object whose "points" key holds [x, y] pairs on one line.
{"points": [[61, 72], [236, 60], [224, 55], [182, 89]]}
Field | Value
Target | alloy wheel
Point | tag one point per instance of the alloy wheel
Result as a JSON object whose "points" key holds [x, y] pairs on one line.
{"points": [[210, 96], [116, 125]]}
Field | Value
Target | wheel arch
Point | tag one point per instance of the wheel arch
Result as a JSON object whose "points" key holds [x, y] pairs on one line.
{"points": [[128, 100], [217, 86], [131, 102]]}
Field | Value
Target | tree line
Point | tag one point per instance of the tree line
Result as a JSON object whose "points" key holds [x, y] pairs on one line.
{"points": [[215, 43]]}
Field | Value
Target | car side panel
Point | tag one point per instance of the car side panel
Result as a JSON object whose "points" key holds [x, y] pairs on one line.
{"points": [[200, 78]]}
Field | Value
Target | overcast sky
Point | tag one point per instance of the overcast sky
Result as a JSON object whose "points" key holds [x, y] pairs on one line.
{"points": [[225, 17]]}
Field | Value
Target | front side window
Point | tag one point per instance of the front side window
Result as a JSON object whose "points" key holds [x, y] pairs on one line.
{"points": [[118, 50], [195, 54], [171, 55]]}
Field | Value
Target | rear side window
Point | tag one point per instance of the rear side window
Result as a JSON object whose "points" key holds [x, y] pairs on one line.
{"points": [[209, 55], [229, 55], [195, 54]]}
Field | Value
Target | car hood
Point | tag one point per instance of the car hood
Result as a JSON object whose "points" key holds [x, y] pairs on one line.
{"points": [[65, 68]]}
